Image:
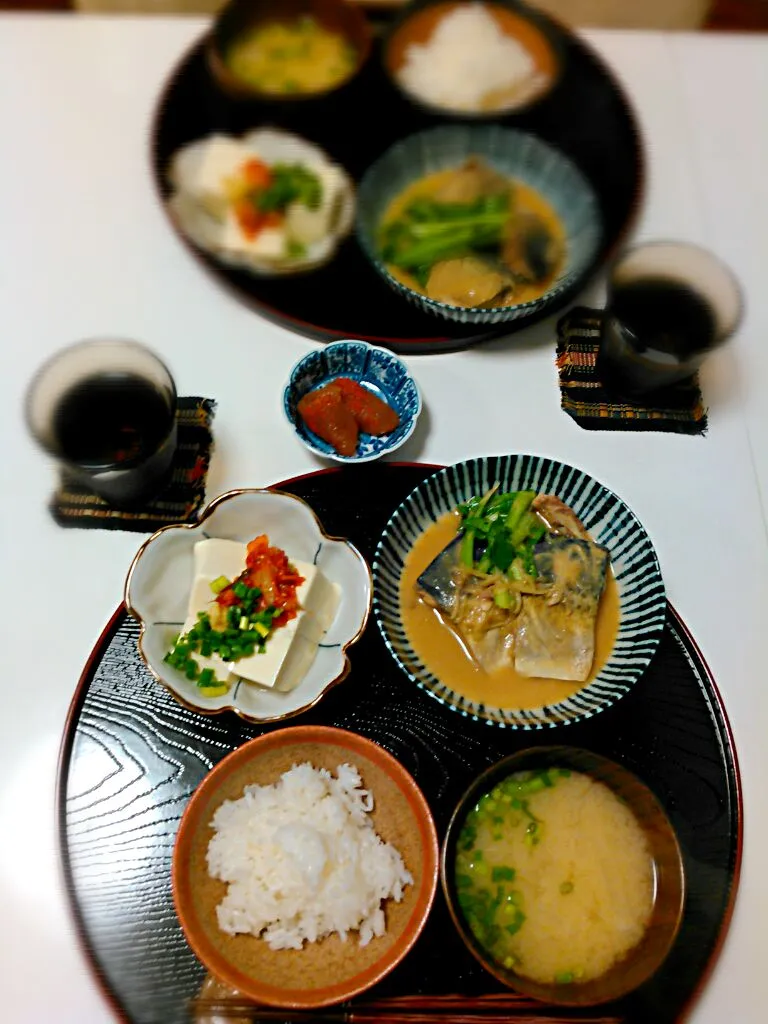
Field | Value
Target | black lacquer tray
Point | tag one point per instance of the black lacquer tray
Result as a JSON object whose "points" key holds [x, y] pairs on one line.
{"points": [[587, 116], [132, 756]]}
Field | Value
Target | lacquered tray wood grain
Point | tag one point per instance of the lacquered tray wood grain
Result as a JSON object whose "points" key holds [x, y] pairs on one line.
{"points": [[131, 757]]}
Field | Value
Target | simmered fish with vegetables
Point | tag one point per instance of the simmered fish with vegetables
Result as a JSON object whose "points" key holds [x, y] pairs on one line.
{"points": [[521, 585], [471, 237]]}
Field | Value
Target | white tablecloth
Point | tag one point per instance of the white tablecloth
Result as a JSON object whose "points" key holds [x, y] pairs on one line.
{"points": [[85, 250]]}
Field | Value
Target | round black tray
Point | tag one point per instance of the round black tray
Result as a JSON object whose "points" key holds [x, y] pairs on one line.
{"points": [[587, 116], [132, 756]]}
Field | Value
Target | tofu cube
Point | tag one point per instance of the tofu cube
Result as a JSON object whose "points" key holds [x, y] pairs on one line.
{"points": [[203, 171], [291, 648]]}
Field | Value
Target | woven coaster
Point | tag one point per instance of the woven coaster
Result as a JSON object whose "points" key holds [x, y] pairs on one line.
{"points": [[74, 505], [678, 409]]}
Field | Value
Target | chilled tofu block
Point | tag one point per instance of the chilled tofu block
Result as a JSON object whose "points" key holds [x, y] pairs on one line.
{"points": [[319, 599], [309, 226], [291, 648], [269, 243], [284, 663], [205, 170], [215, 557]]}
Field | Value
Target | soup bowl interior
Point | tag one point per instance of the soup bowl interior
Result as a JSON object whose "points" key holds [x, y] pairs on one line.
{"points": [[239, 17], [669, 876], [609, 521], [330, 969], [515, 154]]}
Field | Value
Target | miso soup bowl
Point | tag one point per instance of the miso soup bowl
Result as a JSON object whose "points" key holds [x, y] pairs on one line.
{"points": [[642, 962], [238, 17]]}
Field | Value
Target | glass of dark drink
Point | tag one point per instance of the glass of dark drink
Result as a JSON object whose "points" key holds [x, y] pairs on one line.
{"points": [[669, 305], [106, 411]]}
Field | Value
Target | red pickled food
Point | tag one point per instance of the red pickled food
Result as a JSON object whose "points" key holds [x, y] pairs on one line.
{"points": [[372, 414], [327, 415], [268, 569]]}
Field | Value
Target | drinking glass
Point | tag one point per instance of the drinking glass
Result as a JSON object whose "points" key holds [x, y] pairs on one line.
{"points": [[669, 305], [105, 409]]}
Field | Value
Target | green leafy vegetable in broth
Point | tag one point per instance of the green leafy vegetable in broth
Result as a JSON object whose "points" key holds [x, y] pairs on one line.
{"points": [[429, 231], [499, 532]]}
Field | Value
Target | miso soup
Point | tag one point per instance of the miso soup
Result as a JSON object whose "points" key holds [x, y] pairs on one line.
{"points": [[554, 875]]}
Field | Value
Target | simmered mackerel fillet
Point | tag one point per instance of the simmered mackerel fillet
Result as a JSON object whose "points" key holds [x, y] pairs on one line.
{"points": [[545, 625], [439, 584], [555, 636]]}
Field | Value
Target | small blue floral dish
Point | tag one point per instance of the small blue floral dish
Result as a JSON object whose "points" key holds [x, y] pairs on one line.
{"points": [[377, 370]]}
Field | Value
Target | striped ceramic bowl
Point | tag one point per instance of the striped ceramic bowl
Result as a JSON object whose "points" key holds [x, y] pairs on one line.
{"points": [[610, 522], [516, 154]]}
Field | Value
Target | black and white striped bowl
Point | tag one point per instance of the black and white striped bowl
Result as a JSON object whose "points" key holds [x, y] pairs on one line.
{"points": [[610, 522]]}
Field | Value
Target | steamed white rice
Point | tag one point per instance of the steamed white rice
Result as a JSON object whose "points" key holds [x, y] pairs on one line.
{"points": [[467, 59], [302, 860]]}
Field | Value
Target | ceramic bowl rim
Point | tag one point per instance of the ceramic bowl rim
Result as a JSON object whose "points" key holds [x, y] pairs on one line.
{"points": [[335, 456], [296, 736], [493, 715], [508, 764], [206, 512]]}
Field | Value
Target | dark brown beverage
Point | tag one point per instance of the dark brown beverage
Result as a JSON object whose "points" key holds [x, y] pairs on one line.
{"points": [[106, 410], [655, 332], [111, 421]]}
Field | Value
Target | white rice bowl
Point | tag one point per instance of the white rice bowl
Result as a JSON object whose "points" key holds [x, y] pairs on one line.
{"points": [[467, 59], [302, 860]]}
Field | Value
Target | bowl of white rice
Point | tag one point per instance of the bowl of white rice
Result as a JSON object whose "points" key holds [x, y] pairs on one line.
{"points": [[305, 867], [483, 59]]}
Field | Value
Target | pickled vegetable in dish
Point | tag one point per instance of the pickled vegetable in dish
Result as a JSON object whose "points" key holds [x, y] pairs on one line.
{"points": [[271, 201], [509, 601], [341, 409], [472, 237], [554, 875], [285, 57]]}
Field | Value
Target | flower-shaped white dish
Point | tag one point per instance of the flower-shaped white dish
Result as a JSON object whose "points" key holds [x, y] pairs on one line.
{"points": [[159, 580], [217, 230]]}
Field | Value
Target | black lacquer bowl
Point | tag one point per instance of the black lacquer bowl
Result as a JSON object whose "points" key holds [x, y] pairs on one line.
{"points": [[586, 116], [132, 756]]}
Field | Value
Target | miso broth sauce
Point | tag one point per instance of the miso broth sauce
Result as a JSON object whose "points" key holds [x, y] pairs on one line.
{"points": [[444, 654]]}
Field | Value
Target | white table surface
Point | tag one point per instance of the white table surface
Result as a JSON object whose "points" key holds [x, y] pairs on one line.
{"points": [[85, 250]]}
